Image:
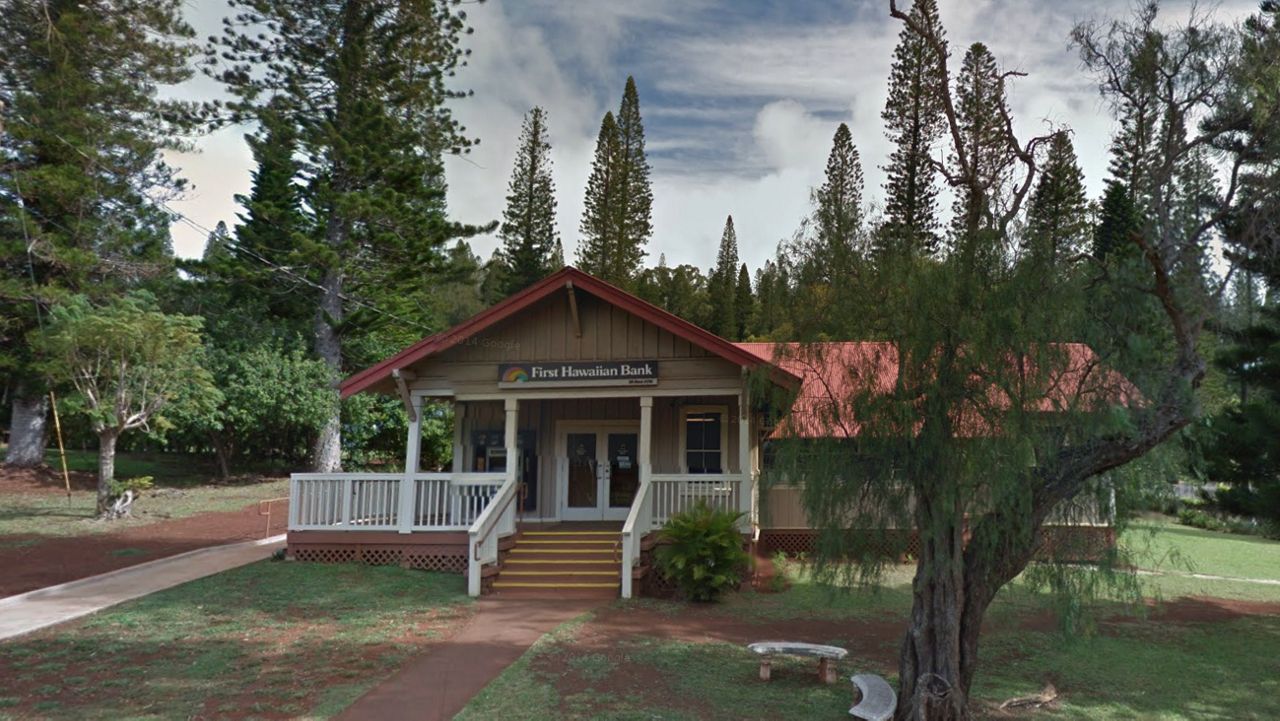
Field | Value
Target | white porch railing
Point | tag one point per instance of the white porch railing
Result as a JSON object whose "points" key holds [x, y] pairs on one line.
{"points": [[663, 496], [389, 501], [496, 521]]}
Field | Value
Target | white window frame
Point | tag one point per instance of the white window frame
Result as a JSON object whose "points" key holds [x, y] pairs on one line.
{"points": [[723, 410]]}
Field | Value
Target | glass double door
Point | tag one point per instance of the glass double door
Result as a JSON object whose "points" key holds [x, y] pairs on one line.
{"points": [[600, 472]]}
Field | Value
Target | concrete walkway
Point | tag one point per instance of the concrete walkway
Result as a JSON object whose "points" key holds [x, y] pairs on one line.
{"points": [[44, 607], [436, 685]]}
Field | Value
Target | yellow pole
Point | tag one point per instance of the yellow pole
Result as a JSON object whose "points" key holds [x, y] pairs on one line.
{"points": [[62, 452]]}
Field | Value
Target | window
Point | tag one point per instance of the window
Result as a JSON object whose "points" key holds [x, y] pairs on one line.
{"points": [[704, 433]]}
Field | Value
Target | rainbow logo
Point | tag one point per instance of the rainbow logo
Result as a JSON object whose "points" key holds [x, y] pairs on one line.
{"points": [[515, 374]]}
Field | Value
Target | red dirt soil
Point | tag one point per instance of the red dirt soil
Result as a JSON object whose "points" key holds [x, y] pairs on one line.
{"points": [[53, 560]]}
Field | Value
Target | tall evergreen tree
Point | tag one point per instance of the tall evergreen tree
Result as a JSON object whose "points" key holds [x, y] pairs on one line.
{"points": [[616, 219], [1058, 217], [743, 303], [82, 174], [364, 82], [1118, 220], [986, 157], [528, 232], [721, 282], [1135, 142], [599, 226], [838, 208], [913, 120]]}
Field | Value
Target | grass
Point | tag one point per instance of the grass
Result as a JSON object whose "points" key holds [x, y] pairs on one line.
{"points": [[1129, 667], [269, 639], [183, 488], [1171, 547], [43, 514]]}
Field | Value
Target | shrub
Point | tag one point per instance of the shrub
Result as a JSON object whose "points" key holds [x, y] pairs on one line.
{"points": [[701, 552], [138, 485]]}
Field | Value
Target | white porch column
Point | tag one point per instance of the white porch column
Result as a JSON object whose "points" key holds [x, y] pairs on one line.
{"points": [[408, 490], [459, 416], [746, 489], [512, 408], [643, 457]]}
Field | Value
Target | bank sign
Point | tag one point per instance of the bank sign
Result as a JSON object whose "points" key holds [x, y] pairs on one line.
{"points": [[563, 374]]}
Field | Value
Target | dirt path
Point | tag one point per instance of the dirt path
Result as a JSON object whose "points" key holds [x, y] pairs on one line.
{"points": [[33, 561], [436, 685]]}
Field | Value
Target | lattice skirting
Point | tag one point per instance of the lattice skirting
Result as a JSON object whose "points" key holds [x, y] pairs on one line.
{"points": [[408, 556], [1062, 543]]}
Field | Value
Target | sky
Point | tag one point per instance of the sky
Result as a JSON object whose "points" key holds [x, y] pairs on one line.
{"points": [[740, 99]]}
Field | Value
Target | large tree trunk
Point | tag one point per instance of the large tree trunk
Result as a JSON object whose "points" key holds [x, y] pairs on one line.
{"points": [[106, 468], [221, 453], [28, 430], [326, 453], [932, 667]]}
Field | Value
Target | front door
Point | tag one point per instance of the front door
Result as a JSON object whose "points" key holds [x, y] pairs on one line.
{"points": [[599, 472]]}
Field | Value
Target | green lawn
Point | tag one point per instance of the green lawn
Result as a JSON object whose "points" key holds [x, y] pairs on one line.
{"points": [[44, 514], [1200, 661], [1168, 546], [269, 640], [183, 487]]}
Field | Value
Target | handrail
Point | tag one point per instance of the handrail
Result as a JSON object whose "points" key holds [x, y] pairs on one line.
{"points": [[492, 527], [483, 527], [630, 543]]}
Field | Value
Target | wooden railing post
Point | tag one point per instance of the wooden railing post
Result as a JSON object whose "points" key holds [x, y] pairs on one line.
{"points": [[346, 502], [745, 487]]}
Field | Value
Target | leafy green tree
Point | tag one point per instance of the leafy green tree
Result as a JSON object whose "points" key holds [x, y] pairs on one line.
{"points": [[130, 365], [82, 173], [528, 231], [365, 85], [1135, 142], [744, 303], [1244, 438], [773, 300], [1058, 228], [681, 290], [970, 424], [721, 284], [914, 122], [616, 218]]}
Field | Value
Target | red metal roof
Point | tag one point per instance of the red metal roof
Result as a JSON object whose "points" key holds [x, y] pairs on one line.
{"points": [[553, 283], [833, 373]]}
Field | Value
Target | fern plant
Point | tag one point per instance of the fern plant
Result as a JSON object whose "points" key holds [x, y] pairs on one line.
{"points": [[701, 551]]}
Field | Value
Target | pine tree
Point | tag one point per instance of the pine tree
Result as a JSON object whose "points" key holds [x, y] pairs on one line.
{"points": [[721, 283], [914, 121], [82, 173], [616, 219], [1134, 144], [981, 110], [365, 83], [743, 303], [1118, 220], [635, 197], [1058, 217], [528, 232], [838, 210], [599, 227]]}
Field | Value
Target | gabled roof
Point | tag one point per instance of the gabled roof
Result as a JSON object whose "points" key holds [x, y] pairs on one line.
{"points": [[554, 283], [833, 373]]}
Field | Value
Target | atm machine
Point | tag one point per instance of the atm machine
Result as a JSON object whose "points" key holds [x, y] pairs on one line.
{"points": [[489, 455]]}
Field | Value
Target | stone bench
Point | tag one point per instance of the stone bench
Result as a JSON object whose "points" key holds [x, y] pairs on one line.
{"points": [[766, 650], [876, 699]]}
